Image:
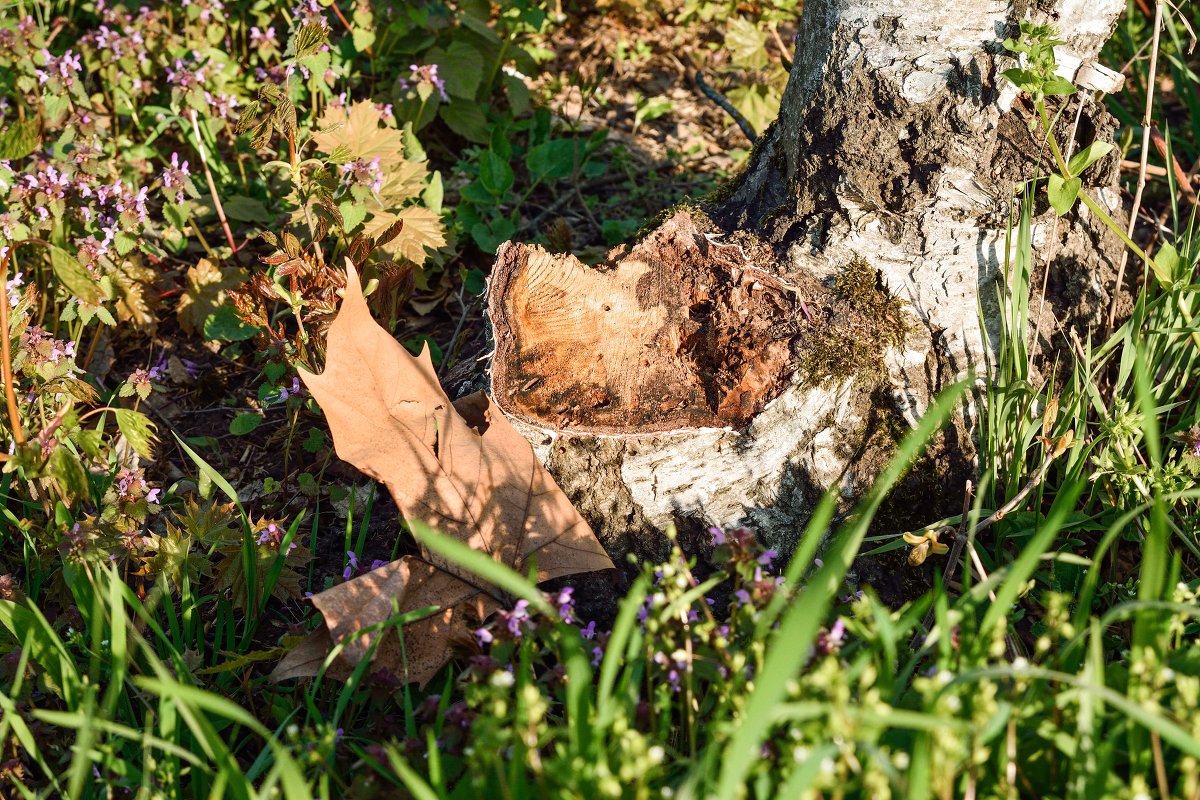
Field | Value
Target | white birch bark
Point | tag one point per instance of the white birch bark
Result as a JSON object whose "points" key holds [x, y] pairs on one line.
{"points": [[897, 143]]}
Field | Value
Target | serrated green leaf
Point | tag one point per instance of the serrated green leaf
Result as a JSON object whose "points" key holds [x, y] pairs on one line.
{"points": [[462, 68], [466, 119], [125, 242], [89, 441], [747, 44], [314, 442], [224, 325], [20, 139], [363, 38], [557, 158], [74, 276], [246, 209], [138, 430], [66, 470]]}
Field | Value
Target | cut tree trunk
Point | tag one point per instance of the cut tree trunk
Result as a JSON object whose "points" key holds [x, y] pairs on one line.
{"points": [[747, 355]]}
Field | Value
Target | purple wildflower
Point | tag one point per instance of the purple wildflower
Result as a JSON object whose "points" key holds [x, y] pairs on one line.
{"points": [[588, 631], [484, 636], [222, 105], [263, 39], [428, 75], [830, 641], [185, 76], [176, 177], [14, 284], [286, 392], [351, 565], [564, 602], [65, 67], [364, 173], [768, 557], [515, 618], [718, 536], [272, 536], [308, 11]]}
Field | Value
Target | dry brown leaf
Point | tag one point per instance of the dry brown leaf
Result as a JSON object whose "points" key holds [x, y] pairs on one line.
{"points": [[458, 467], [206, 292]]}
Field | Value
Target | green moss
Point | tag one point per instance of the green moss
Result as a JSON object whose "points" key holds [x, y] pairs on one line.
{"points": [[865, 321], [728, 188], [701, 218]]}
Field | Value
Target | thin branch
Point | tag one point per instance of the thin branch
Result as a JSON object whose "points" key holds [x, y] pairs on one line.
{"points": [[1141, 182], [212, 186]]}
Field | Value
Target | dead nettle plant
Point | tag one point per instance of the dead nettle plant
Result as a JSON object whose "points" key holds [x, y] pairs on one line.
{"points": [[456, 466]]}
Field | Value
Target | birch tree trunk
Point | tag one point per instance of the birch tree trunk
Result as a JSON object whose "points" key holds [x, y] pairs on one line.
{"points": [[746, 356]]}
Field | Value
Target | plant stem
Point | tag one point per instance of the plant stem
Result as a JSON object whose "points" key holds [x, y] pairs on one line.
{"points": [[10, 394], [212, 186]]}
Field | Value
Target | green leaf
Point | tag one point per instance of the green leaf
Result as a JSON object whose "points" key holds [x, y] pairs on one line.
{"points": [[758, 103], [1063, 193], [518, 95], [1058, 86], [74, 276], [363, 39], [89, 441], [125, 242], [46, 649], [1088, 156], [246, 209], [747, 44], [434, 193], [224, 325], [1023, 79], [461, 67], [466, 119], [1166, 264], [66, 469], [314, 441], [557, 158], [20, 139], [243, 424], [138, 430], [353, 214], [494, 173]]}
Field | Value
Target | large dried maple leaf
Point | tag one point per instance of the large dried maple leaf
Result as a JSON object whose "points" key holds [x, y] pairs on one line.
{"points": [[459, 467]]}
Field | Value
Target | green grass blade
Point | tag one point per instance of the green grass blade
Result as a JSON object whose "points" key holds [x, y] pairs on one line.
{"points": [[799, 625]]}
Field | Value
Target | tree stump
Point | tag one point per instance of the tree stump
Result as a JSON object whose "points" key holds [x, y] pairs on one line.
{"points": [[743, 357]]}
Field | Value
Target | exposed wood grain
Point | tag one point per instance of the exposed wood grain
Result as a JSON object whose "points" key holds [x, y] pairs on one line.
{"points": [[681, 332]]}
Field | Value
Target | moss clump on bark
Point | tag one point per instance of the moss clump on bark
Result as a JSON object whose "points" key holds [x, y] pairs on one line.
{"points": [[851, 334]]}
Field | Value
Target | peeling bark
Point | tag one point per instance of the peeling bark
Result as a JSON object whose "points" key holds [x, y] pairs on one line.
{"points": [[735, 363]]}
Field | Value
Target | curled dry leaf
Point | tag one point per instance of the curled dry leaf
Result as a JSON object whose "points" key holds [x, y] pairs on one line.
{"points": [[459, 467]]}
